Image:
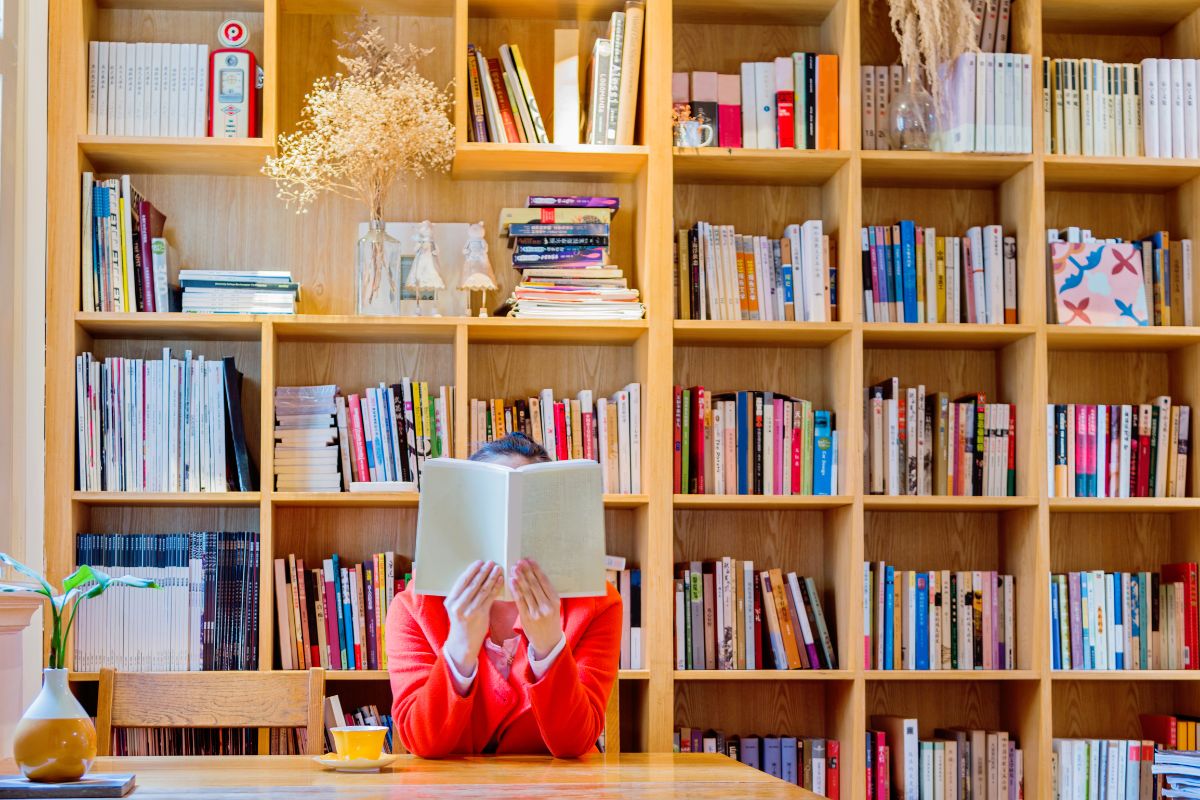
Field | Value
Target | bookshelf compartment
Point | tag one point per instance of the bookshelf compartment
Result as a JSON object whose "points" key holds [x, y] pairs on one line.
{"points": [[774, 12], [1122, 542], [1110, 708], [1150, 18], [810, 543], [133, 519], [1129, 214], [314, 534], [508, 372], [1001, 541]]}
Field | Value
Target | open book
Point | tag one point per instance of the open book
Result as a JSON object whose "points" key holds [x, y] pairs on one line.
{"points": [[552, 513]]}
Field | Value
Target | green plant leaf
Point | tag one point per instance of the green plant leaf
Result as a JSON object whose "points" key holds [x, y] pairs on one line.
{"points": [[104, 581], [81, 575], [12, 588], [8, 560]]}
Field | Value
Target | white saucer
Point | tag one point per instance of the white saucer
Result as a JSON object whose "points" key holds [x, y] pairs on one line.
{"points": [[331, 761]]}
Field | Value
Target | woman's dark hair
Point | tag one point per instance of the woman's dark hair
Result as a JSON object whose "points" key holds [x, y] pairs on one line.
{"points": [[513, 444]]}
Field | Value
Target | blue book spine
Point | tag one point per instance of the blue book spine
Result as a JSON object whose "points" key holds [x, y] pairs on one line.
{"points": [[889, 611], [822, 453], [1055, 627], [922, 620], [348, 614], [897, 271], [1118, 620], [879, 265], [745, 428], [787, 758], [389, 429], [789, 296], [1135, 615], [751, 752], [771, 756], [908, 245], [341, 621], [1089, 651], [1162, 270]]}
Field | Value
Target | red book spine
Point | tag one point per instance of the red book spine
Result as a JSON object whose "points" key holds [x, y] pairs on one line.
{"points": [[677, 465], [797, 458], [1186, 573], [1160, 729], [356, 589], [506, 112], [1143, 483], [759, 645], [1011, 478], [785, 124], [146, 300], [302, 595], [361, 471], [729, 126], [882, 779], [833, 752], [331, 627], [560, 432], [588, 421], [700, 405]]}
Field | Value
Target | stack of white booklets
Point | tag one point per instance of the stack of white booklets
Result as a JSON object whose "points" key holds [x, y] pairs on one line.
{"points": [[219, 291], [306, 439], [147, 89]]}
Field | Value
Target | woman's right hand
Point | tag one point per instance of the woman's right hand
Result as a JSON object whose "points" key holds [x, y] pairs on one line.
{"points": [[469, 607]]}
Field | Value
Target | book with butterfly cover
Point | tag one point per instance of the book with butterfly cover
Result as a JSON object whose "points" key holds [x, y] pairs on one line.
{"points": [[1098, 284]]}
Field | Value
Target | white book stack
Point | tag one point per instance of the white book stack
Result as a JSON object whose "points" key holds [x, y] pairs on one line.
{"points": [[147, 89], [215, 291], [306, 439]]}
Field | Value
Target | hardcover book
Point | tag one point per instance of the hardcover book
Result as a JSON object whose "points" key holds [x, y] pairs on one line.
{"points": [[1098, 284]]}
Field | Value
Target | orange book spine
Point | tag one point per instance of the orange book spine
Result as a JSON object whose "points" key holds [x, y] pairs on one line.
{"points": [[827, 102], [740, 247], [506, 112], [785, 620]]}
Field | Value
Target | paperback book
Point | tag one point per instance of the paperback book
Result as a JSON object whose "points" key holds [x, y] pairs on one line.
{"points": [[809, 762]]}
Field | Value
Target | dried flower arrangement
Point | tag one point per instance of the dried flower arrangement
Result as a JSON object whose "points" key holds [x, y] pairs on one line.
{"points": [[931, 33]]}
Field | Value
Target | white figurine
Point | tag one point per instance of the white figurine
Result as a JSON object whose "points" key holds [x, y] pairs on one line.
{"points": [[424, 271], [477, 275]]}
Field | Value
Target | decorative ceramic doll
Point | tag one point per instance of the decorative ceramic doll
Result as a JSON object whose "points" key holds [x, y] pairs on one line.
{"points": [[424, 271], [477, 275]]}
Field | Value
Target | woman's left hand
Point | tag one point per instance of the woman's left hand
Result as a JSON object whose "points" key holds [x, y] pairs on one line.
{"points": [[537, 605]]}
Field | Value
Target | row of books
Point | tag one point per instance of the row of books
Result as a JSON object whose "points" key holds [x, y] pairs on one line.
{"points": [[333, 617], [910, 274], [220, 291], [608, 430], [938, 619], [995, 24], [809, 762], [1093, 108], [1175, 774], [561, 250], [123, 251], [628, 583], [920, 443], [202, 741], [336, 717], [160, 425], [730, 616], [1115, 281], [788, 103], [500, 96], [205, 617], [750, 442], [1123, 620], [613, 76], [986, 104], [147, 89], [957, 764], [1171, 731], [723, 274], [1118, 450], [1103, 769]]}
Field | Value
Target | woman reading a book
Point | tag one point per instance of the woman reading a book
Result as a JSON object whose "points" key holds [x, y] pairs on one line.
{"points": [[474, 674]]}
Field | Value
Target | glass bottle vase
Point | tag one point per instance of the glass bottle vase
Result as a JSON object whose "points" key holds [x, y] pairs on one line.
{"points": [[377, 273], [912, 117]]}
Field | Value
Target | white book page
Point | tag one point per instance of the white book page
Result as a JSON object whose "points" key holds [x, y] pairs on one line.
{"points": [[557, 519], [461, 519]]}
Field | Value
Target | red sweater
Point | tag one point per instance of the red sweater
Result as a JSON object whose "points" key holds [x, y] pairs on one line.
{"points": [[561, 714]]}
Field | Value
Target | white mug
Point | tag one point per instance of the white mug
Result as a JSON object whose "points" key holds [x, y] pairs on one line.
{"points": [[693, 133]]}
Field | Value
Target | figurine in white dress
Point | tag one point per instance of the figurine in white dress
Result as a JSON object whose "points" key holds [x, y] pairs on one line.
{"points": [[424, 273], [477, 275]]}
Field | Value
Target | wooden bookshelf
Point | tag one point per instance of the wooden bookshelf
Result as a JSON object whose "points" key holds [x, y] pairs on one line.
{"points": [[222, 213]]}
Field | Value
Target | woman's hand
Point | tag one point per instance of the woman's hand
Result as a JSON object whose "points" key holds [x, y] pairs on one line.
{"points": [[469, 606], [538, 607]]}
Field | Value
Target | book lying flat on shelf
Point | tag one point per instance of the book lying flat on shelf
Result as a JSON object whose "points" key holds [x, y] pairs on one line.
{"points": [[222, 291], [550, 512]]}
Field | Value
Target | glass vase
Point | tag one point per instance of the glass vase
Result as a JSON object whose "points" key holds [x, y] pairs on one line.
{"points": [[377, 273], [912, 117]]}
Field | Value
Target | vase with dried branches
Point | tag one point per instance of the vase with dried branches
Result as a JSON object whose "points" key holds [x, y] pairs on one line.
{"points": [[360, 133], [931, 34]]}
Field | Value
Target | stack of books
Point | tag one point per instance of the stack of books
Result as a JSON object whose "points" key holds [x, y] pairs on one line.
{"points": [[205, 617], [628, 583], [958, 764], [386, 433], [122, 250], [1118, 450], [333, 617], [749, 442], [810, 762], [306, 440], [219, 291], [1149, 279], [162, 425], [928, 620], [1107, 769], [924, 444], [788, 103], [728, 615], [364, 715], [1093, 108], [987, 104], [147, 89], [723, 274], [608, 430], [910, 274], [1123, 620], [561, 250]]}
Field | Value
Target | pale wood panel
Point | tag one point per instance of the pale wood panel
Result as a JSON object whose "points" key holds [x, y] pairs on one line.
{"points": [[1111, 542], [1148, 17], [120, 519], [1107, 47], [1107, 214], [354, 367], [801, 372], [955, 371], [1128, 377], [755, 210], [876, 45], [967, 703], [316, 533], [174, 25], [723, 48], [1110, 709], [510, 372], [761, 708], [950, 210]]}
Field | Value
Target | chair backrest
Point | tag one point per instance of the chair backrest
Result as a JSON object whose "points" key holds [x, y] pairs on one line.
{"points": [[211, 700]]}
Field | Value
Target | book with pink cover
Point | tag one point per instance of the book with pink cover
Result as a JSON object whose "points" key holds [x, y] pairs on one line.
{"points": [[1098, 284]]}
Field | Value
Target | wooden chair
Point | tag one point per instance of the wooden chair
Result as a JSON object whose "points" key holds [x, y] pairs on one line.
{"points": [[211, 700]]}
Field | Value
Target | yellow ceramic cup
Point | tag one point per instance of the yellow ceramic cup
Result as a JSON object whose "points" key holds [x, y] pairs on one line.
{"points": [[359, 741]]}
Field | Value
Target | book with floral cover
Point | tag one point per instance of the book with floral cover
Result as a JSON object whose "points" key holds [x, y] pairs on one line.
{"points": [[1098, 284]]}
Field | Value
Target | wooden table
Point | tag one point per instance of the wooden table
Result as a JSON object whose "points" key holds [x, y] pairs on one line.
{"points": [[640, 775]]}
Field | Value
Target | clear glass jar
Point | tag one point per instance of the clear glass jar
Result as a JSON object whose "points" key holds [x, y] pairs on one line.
{"points": [[377, 273], [912, 117]]}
